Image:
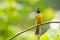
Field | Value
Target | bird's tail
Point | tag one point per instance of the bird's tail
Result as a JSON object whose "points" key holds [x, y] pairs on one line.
{"points": [[37, 30]]}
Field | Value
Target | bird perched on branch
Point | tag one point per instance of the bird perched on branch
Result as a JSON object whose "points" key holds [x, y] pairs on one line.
{"points": [[39, 20]]}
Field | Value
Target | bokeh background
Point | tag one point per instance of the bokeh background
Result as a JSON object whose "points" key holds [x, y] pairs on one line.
{"points": [[17, 15]]}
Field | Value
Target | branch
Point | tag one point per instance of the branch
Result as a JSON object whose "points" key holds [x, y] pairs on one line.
{"points": [[30, 29]]}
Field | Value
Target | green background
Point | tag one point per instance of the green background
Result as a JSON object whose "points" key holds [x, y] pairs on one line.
{"points": [[17, 15]]}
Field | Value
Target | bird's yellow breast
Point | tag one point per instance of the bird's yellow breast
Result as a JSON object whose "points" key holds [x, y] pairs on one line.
{"points": [[39, 18]]}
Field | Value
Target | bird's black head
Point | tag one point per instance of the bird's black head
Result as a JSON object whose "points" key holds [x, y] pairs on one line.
{"points": [[38, 10]]}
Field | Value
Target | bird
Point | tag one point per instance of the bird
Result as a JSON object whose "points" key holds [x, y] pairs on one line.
{"points": [[39, 20]]}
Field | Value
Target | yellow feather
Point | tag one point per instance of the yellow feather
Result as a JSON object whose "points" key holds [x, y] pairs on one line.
{"points": [[39, 18]]}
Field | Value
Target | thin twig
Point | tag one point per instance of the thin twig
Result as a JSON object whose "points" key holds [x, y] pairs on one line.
{"points": [[30, 29]]}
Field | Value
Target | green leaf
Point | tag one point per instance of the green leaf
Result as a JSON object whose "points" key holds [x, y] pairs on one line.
{"points": [[51, 35]]}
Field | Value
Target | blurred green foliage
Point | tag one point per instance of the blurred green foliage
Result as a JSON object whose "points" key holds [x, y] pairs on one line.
{"points": [[55, 35], [17, 15]]}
